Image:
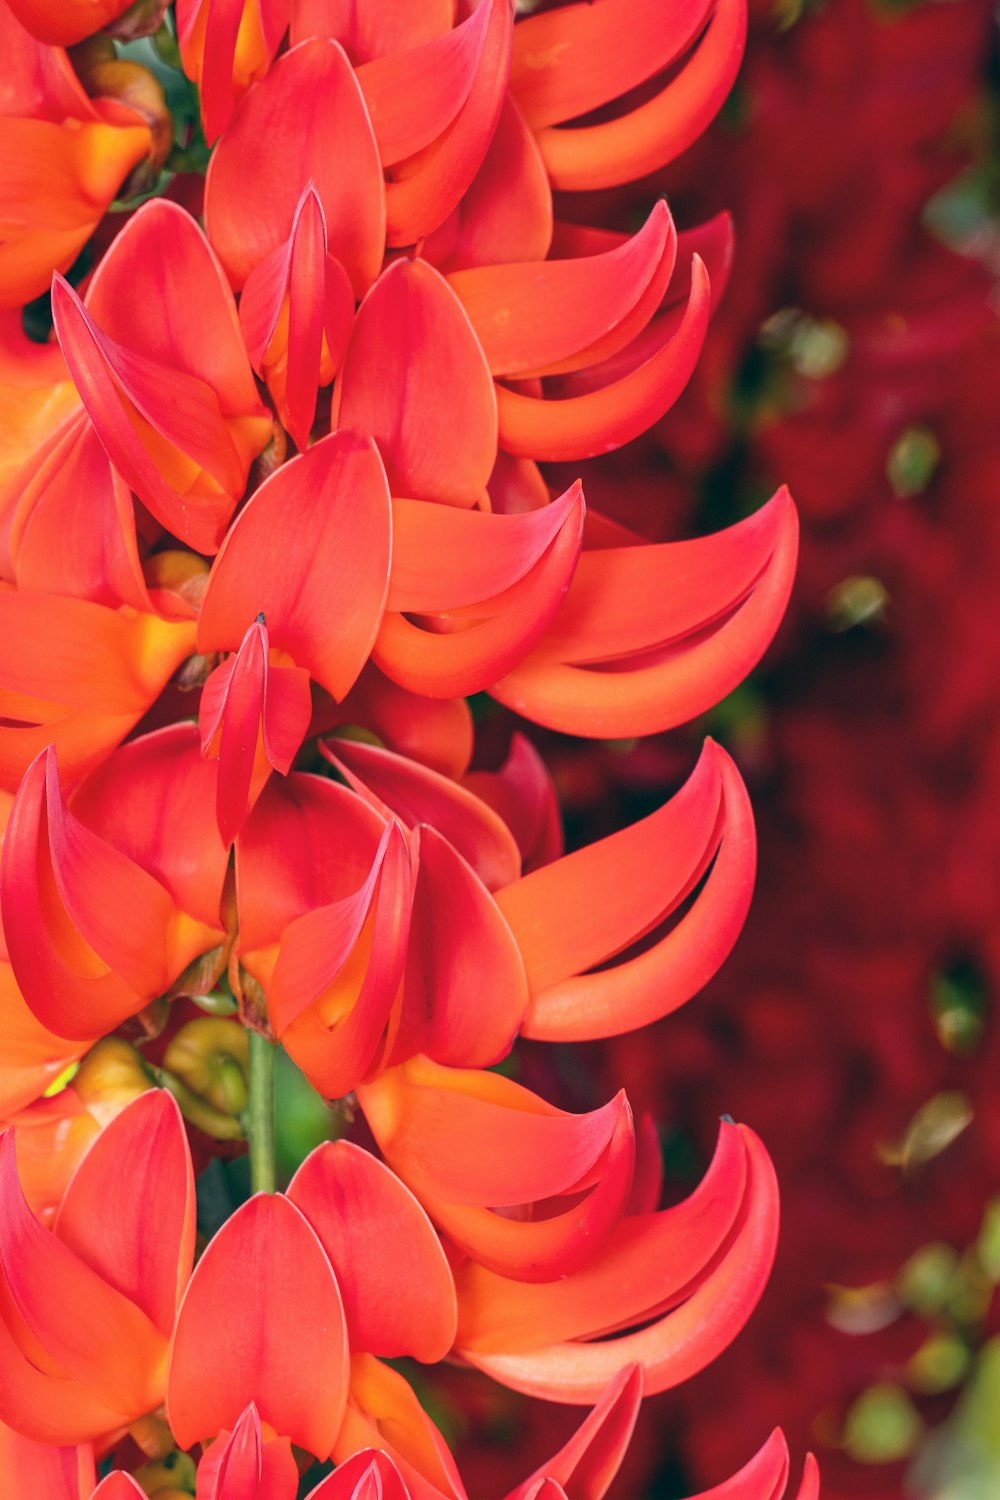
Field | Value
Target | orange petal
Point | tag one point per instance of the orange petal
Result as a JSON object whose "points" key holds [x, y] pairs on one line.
{"points": [[599, 420], [430, 184], [446, 556], [464, 992], [382, 1412], [310, 551], [411, 333], [398, 1291], [261, 1320], [650, 636], [583, 910], [681, 1342], [394, 784], [654, 133], [568, 63]]}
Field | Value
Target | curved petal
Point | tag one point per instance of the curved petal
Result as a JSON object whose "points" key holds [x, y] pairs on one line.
{"points": [[412, 334], [654, 133], [651, 636], [649, 1264], [429, 184], [382, 1412], [684, 1340], [763, 1478], [464, 990], [261, 1320], [437, 732], [63, 891], [396, 785], [587, 1464], [310, 551], [309, 98], [621, 888], [398, 1290], [369, 28], [470, 644], [583, 426], [570, 62], [541, 318], [523, 793], [141, 1163], [338, 973]]}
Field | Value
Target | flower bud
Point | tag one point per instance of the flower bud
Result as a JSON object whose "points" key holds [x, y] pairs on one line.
{"points": [[110, 1076], [209, 1055]]}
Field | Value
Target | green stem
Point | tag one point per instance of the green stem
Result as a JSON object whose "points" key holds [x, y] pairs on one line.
{"points": [[260, 1115]]}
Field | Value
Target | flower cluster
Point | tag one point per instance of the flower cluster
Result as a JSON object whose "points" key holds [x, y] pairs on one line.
{"points": [[271, 511]]}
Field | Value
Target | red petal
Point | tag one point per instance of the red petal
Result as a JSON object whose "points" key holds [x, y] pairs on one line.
{"points": [[141, 1162], [430, 184], [435, 732], [469, 646], [310, 552], [763, 1478], [583, 426], [45, 1472], [398, 1291], [523, 793], [651, 636], [646, 138], [684, 1340], [536, 318], [570, 62], [370, 28], [309, 98], [63, 892], [648, 1265], [243, 1465], [464, 993], [414, 794], [261, 1320], [506, 214], [563, 928], [412, 334], [338, 973], [369, 1475], [587, 1464], [118, 1486], [63, 1313]]}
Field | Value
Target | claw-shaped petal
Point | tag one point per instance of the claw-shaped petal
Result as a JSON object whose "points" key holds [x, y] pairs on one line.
{"points": [[580, 912], [651, 636]]}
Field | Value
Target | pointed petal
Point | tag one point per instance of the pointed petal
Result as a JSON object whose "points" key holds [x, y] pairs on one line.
{"points": [[261, 1320], [368, 1475], [85, 1328], [118, 1486], [587, 1464], [383, 1412], [309, 98], [684, 1340], [243, 1465], [398, 1291], [763, 1478], [543, 317], [614, 905], [142, 1163], [310, 551], [411, 333], [338, 973], [469, 647], [63, 891], [649, 1263], [647, 137], [685, 622], [599, 420], [464, 992], [430, 184], [567, 64], [415, 794]]}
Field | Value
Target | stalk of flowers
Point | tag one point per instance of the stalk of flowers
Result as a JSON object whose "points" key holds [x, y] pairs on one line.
{"points": [[308, 437]]}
